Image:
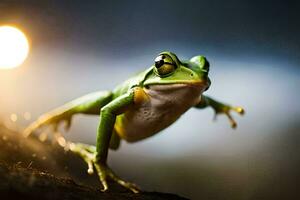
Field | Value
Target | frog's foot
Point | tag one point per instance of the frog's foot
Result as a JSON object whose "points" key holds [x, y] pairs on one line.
{"points": [[88, 152], [225, 109], [48, 120]]}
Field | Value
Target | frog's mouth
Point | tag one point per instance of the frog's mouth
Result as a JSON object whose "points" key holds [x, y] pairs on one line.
{"points": [[193, 85], [203, 85]]}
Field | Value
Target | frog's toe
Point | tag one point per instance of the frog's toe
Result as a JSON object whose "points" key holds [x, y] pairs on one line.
{"points": [[231, 120], [225, 109], [48, 120], [239, 110], [90, 170], [67, 124], [131, 186], [30, 129], [104, 171], [87, 152]]}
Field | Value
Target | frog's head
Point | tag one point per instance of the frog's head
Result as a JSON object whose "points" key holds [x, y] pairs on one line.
{"points": [[168, 69]]}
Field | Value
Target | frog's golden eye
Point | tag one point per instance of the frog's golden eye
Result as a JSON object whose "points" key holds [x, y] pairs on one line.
{"points": [[164, 65]]}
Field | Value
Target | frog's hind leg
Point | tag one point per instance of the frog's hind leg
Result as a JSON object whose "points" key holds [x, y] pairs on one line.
{"points": [[88, 104]]}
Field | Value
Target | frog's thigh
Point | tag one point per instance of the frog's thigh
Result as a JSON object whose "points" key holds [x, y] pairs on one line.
{"points": [[92, 103]]}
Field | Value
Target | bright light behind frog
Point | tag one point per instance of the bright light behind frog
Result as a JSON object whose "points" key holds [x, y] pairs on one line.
{"points": [[164, 65], [14, 47]]}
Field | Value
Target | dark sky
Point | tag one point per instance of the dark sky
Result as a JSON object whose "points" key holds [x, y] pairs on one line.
{"points": [[235, 28]]}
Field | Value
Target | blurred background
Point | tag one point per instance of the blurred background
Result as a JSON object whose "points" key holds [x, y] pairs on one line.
{"points": [[77, 47]]}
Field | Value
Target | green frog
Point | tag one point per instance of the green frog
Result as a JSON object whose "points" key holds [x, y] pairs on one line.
{"points": [[140, 107]]}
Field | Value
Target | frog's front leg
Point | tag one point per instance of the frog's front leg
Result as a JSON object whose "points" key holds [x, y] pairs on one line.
{"points": [[220, 108], [98, 159]]}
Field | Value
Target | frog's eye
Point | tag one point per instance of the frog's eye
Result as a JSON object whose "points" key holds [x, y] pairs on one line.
{"points": [[164, 65], [202, 62], [205, 64]]}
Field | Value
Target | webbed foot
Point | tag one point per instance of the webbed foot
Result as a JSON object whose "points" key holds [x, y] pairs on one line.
{"points": [[225, 109], [88, 152], [52, 120]]}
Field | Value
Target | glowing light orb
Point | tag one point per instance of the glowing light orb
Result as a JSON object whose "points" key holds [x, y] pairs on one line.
{"points": [[14, 47]]}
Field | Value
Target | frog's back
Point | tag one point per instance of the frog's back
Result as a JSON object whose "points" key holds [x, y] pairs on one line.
{"points": [[135, 80]]}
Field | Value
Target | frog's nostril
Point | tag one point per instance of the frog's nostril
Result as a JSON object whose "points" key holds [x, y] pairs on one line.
{"points": [[192, 75]]}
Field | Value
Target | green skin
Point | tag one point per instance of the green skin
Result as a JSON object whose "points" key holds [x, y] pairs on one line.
{"points": [[149, 101]]}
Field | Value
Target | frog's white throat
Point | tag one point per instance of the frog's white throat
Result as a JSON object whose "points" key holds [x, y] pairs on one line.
{"points": [[179, 95], [166, 103]]}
